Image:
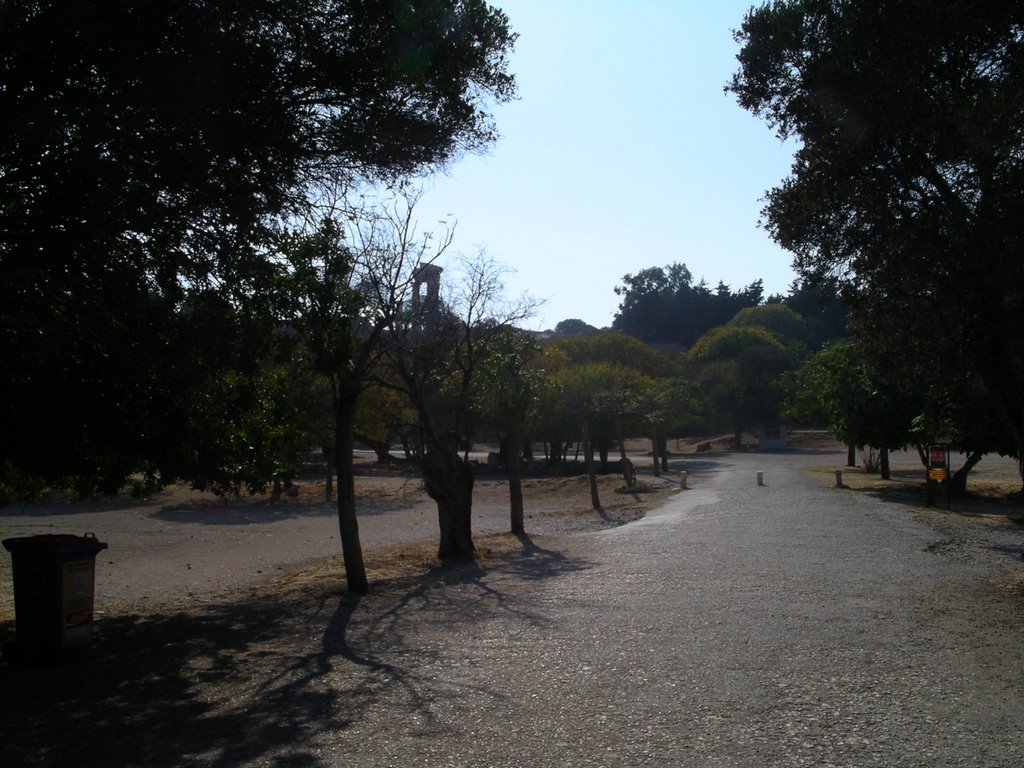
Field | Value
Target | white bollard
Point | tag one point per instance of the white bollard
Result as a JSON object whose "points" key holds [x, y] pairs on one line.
{"points": [[839, 478], [760, 478], [682, 480]]}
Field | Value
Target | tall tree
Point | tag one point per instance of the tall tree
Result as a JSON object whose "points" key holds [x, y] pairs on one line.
{"points": [[506, 392], [739, 369], [344, 286], [435, 351], [146, 148], [860, 407], [640, 386], [909, 179], [822, 308], [663, 305]]}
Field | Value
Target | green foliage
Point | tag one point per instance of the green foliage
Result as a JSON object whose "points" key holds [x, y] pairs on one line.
{"points": [[146, 149], [317, 298], [833, 386], [783, 322], [247, 431], [575, 327], [728, 342], [618, 349], [909, 179], [739, 370], [616, 383], [861, 408], [822, 308], [662, 305], [509, 383]]}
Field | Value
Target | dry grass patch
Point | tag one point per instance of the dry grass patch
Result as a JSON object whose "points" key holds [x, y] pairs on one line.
{"points": [[393, 567], [1012, 582], [993, 500]]}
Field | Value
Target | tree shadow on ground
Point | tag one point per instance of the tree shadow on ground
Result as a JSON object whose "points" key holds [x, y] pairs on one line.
{"points": [[907, 490], [262, 680]]}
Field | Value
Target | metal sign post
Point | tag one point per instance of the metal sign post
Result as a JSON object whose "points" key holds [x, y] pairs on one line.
{"points": [[938, 472]]}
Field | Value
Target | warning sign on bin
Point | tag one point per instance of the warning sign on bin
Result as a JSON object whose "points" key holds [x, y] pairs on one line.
{"points": [[78, 601]]}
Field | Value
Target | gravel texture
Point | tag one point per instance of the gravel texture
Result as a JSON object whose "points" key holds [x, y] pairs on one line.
{"points": [[789, 624]]}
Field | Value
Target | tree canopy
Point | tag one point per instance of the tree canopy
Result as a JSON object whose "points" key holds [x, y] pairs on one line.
{"points": [[147, 151], [663, 305], [909, 180]]}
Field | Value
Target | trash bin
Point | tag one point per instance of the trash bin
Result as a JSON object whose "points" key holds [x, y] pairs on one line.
{"points": [[54, 578]]}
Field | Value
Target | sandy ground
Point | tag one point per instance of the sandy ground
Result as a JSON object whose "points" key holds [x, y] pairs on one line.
{"points": [[181, 547], [736, 624]]}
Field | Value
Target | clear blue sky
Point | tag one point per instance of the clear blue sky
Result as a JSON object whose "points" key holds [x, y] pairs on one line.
{"points": [[621, 153]]}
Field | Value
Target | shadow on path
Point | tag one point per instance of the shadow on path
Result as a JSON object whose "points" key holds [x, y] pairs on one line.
{"points": [[259, 680]]}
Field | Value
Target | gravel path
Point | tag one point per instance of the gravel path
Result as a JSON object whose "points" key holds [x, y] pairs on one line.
{"points": [[790, 624]]}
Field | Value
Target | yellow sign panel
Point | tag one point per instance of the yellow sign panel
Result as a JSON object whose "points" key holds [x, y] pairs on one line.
{"points": [[936, 474]]}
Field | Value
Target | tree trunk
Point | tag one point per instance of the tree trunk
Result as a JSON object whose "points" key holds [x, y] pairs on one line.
{"points": [[595, 499], [449, 482], [329, 460], [348, 527], [602, 449], [958, 482], [738, 440], [663, 447], [851, 455], [555, 457], [383, 452], [515, 481], [883, 462], [654, 452]]}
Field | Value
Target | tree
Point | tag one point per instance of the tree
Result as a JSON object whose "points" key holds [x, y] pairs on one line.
{"points": [[147, 149], [783, 322], [908, 179], [343, 288], [739, 369], [506, 390], [435, 352], [954, 405], [822, 307], [583, 389], [380, 418], [860, 406], [609, 383], [662, 305], [575, 327]]}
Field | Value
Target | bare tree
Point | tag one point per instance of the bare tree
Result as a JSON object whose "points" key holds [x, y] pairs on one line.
{"points": [[349, 278], [435, 351]]}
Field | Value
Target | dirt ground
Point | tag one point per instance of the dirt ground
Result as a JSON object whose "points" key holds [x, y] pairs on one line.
{"points": [[181, 548], [201, 602]]}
